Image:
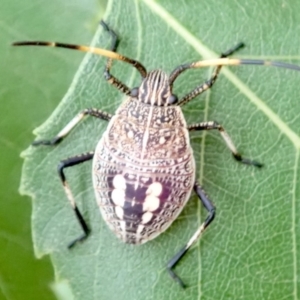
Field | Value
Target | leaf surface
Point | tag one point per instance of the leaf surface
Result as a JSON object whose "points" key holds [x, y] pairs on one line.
{"points": [[30, 87], [251, 250]]}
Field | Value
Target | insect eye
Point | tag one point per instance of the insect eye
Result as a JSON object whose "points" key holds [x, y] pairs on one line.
{"points": [[134, 92], [172, 99]]}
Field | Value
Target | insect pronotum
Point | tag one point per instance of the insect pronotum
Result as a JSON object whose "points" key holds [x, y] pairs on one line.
{"points": [[143, 165]]}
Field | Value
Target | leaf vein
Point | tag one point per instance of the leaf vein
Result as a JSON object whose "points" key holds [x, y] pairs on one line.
{"points": [[208, 53]]}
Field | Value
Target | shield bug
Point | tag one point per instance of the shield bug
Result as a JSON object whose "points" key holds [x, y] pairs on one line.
{"points": [[143, 165]]}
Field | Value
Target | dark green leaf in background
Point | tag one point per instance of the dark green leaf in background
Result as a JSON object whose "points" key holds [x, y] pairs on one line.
{"points": [[251, 251], [31, 85]]}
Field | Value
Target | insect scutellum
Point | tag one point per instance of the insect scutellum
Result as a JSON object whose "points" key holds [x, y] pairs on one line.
{"points": [[143, 166]]}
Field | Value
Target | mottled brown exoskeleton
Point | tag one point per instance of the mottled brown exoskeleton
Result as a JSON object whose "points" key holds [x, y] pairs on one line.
{"points": [[143, 166]]}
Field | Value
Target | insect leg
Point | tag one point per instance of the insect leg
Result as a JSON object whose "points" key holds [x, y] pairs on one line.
{"points": [[215, 125], [69, 162], [209, 83], [110, 78], [211, 214], [65, 131]]}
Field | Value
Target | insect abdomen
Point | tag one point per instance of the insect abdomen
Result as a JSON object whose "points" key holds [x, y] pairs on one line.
{"points": [[143, 171]]}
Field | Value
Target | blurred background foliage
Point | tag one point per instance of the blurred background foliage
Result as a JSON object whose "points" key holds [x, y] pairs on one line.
{"points": [[30, 88]]}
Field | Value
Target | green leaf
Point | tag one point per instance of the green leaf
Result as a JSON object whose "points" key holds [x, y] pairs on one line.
{"points": [[30, 87], [251, 250]]}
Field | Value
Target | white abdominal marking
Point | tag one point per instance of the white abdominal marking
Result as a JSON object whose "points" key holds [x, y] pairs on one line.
{"points": [[147, 217], [119, 212], [118, 195], [151, 202], [154, 189]]}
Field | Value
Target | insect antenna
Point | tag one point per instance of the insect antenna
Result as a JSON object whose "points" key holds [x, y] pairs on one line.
{"points": [[229, 62], [98, 51]]}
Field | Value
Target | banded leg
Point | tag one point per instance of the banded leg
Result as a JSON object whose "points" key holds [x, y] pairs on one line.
{"points": [[70, 162], [215, 125], [209, 83], [65, 131], [110, 78], [211, 214]]}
